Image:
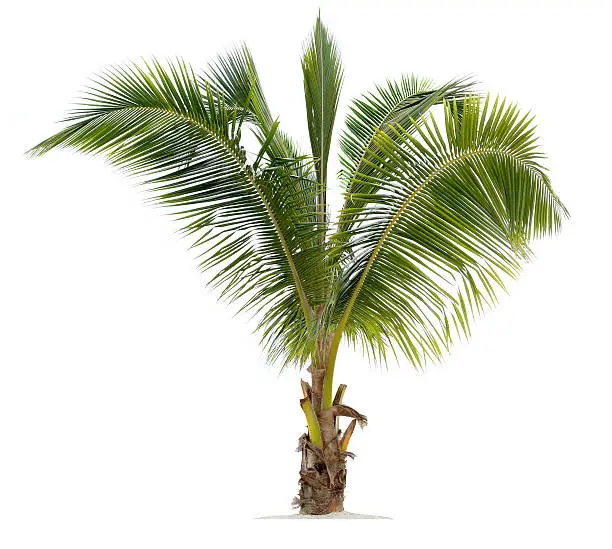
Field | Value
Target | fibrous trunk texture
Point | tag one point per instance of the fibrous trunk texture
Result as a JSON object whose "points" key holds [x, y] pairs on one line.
{"points": [[322, 481], [323, 469]]}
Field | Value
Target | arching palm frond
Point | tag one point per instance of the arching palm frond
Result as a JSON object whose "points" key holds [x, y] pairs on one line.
{"points": [[446, 214], [157, 123], [402, 102]]}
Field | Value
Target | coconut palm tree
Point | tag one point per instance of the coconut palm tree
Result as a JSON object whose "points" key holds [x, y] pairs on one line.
{"points": [[443, 191]]}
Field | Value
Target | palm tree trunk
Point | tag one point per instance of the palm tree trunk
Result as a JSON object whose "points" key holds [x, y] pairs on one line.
{"points": [[322, 475], [323, 468]]}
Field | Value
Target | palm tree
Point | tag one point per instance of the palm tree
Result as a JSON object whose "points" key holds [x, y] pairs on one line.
{"points": [[443, 191]]}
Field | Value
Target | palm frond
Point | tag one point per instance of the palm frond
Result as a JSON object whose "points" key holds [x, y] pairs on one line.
{"points": [[155, 122], [322, 70], [235, 76], [445, 214], [402, 102]]}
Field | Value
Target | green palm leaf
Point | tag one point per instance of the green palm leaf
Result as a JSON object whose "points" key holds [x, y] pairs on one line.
{"points": [[322, 70], [234, 74], [402, 102], [157, 123], [445, 214]]}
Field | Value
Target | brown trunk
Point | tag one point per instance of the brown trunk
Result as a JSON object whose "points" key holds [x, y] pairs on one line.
{"points": [[322, 480], [323, 470], [318, 376]]}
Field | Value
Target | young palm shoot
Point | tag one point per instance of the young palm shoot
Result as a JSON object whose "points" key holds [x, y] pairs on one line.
{"points": [[444, 189]]}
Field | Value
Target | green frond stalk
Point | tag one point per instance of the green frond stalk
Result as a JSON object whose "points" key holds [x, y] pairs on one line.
{"points": [[314, 431]]}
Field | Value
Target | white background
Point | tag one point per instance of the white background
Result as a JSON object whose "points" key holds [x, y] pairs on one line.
{"points": [[135, 411]]}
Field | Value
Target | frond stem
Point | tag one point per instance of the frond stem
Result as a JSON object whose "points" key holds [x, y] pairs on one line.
{"points": [[333, 351]]}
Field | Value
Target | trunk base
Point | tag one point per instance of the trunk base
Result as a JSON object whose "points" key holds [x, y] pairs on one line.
{"points": [[322, 481]]}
